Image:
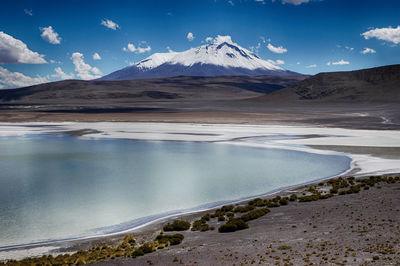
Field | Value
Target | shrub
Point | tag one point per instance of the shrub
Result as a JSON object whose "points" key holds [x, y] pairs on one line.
{"points": [[147, 248], [233, 225], [137, 252], [206, 217], [312, 197], [230, 214], [177, 225], [333, 190], [244, 208], [252, 215], [227, 208], [283, 201], [284, 247], [354, 189], [276, 199], [170, 239], [128, 239], [272, 204], [257, 202], [197, 224], [221, 218], [293, 197], [326, 196]]}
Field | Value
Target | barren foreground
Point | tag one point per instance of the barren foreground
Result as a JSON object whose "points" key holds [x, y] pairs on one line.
{"points": [[355, 229]]}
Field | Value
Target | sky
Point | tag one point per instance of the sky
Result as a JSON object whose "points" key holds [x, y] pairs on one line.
{"points": [[43, 41]]}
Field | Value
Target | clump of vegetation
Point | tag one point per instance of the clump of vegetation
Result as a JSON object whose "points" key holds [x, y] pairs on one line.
{"points": [[177, 225], [284, 201], [293, 197], [325, 196], [272, 204], [244, 208], [233, 225], [284, 247], [201, 225], [227, 208], [257, 202], [308, 198], [169, 239], [127, 248], [252, 215]]}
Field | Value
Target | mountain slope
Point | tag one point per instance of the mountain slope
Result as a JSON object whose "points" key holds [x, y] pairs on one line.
{"points": [[128, 92], [220, 58], [380, 84]]}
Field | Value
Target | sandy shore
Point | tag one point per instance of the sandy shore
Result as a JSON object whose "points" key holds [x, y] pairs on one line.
{"points": [[302, 138]]}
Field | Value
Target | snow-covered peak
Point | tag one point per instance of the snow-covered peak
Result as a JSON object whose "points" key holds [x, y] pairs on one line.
{"points": [[221, 52]]}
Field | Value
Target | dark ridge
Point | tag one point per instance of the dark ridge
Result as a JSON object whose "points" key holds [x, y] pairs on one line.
{"points": [[110, 110], [379, 84]]}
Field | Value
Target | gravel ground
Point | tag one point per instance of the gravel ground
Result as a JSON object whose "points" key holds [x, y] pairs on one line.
{"points": [[354, 229]]}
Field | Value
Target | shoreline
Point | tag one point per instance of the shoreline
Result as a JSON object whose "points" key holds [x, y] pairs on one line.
{"points": [[200, 136]]}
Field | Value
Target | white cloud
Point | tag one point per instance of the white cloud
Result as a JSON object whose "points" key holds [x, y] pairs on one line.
{"points": [[277, 50], [170, 50], [109, 24], [349, 48], [368, 51], [83, 70], [190, 36], [279, 62], [49, 35], [298, 63], [209, 39], [29, 12], [14, 51], [96, 56], [386, 34], [231, 3], [340, 63], [295, 2], [10, 79], [61, 75], [312, 66], [138, 50]]}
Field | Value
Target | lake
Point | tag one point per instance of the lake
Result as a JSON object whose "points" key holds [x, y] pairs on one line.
{"points": [[60, 187]]}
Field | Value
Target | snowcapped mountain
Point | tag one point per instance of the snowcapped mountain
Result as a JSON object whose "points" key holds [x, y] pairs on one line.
{"points": [[222, 57]]}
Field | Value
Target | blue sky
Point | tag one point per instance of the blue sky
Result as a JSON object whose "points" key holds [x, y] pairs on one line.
{"points": [[311, 35]]}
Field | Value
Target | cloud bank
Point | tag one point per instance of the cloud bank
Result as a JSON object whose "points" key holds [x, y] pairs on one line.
{"points": [[61, 75], [10, 79], [385, 34], [14, 51], [83, 70], [109, 24], [138, 50], [49, 35], [277, 50], [368, 51], [295, 2], [338, 63]]}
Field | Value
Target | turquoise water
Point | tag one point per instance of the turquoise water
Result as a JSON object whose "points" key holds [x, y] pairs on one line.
{"points": [[57, 187]]}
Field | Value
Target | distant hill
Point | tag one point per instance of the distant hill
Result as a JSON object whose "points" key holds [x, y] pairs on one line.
{"points": [[78, 92], [379, 84]]}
